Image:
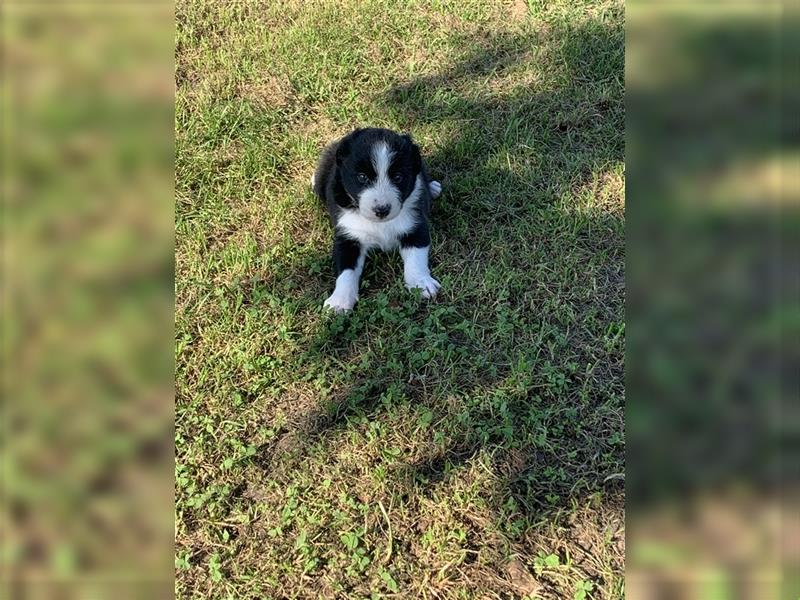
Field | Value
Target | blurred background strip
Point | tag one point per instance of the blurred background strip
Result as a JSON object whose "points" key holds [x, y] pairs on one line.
{"points": [[87, 159], [712, 312]]}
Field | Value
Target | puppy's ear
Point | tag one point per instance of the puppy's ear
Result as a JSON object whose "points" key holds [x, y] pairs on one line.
{"points": [[342, 150], [413, 151], [344, 147]]}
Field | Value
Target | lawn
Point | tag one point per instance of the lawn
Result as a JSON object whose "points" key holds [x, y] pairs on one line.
{"points": [[468, 447]]}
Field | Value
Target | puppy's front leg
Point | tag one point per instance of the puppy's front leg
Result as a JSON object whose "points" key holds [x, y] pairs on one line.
{"points": [[348, 260], [414, 248]]}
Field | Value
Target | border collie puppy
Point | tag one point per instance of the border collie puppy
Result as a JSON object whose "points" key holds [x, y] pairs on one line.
{"points": [[378, 195]]}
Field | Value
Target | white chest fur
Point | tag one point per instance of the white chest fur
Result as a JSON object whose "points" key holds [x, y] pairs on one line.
{"points": [[379, 234]]}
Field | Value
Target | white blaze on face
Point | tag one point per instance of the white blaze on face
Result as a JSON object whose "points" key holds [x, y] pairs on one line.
{"points": [[381, 193]]}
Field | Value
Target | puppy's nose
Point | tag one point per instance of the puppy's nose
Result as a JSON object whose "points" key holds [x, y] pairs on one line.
{"points": [[382, 211]]}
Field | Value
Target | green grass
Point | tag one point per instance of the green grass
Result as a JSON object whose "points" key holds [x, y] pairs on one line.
{"points": [[469, 447]]}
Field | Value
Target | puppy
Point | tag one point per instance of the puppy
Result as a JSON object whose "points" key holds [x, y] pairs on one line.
{"points": [[378, 195]]}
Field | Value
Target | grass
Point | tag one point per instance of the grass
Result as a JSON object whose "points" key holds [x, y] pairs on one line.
{"points": [[469, 447]]}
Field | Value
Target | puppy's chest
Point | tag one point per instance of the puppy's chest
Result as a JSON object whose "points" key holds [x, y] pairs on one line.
{"points": [[371, 234]]}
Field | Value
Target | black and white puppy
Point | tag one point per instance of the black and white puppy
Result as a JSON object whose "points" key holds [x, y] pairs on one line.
{"points": [[378, 195]]}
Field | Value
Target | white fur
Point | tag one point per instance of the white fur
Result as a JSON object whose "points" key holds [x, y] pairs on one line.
{"points": [[416, 272], [384, 234], [382, 192], [345, 294], [434, 186]]}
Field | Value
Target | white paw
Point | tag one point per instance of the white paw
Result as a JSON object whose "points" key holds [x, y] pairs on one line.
{"points": [[341, 302], [312, 180], [435, 188], [427, 284]]}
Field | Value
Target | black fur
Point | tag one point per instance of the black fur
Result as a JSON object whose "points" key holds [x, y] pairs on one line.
{"points": [[345, 253]]}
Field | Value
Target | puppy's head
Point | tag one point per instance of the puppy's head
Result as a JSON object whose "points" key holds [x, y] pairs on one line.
{"points": [[378, 169]]}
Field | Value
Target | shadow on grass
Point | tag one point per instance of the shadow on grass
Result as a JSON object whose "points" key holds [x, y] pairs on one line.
{"points": [[529, 377]]}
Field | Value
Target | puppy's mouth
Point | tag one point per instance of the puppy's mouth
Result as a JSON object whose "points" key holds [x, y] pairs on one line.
{"points": [[379, 214], [379, 219]]}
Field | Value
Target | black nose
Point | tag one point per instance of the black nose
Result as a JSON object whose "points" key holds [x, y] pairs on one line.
{"points": [[382, 211]]}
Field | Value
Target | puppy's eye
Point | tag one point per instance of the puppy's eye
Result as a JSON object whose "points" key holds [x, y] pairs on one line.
{"points": [[362, 178], [397, 177]]}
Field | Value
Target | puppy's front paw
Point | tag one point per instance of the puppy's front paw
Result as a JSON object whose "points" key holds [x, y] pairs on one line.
{"points": [[435, 188], [426, 284], [340, 302]]}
